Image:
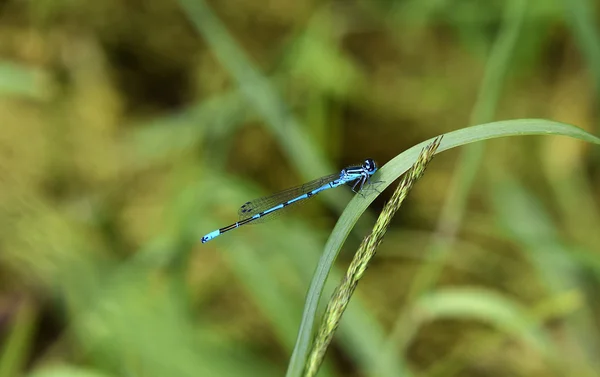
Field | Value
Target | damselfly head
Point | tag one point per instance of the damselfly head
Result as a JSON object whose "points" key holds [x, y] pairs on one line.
{"points": [[370, 166]]}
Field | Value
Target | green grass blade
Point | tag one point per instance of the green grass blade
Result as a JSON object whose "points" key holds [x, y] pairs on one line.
{"points": [[470, 158], [482, 305], [16, 348], [260, 94], [388, 174], [580, 16]]}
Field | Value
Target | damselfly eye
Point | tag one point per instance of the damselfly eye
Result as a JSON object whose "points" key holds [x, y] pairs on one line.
{"points": [[369, 165]]}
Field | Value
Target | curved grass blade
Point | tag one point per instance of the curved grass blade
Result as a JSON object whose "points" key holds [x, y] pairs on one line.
{"points": [[486, 306], [338, 303], [388, 174]]}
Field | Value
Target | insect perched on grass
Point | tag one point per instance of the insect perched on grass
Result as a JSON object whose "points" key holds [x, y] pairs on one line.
{"points": [[262, 207]]}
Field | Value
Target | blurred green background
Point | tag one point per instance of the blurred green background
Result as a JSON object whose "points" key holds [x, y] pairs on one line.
{"points": [[130, 129]]}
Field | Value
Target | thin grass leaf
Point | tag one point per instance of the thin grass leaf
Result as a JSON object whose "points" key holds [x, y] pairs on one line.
{"points": [[515, 318], [471, 157], [388, 174], [341, 297], [16, 347], [580, 16], [257, 89], [481, 305]]}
